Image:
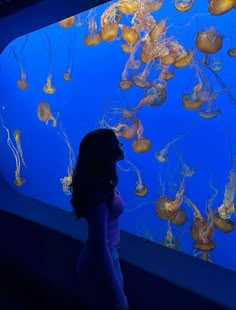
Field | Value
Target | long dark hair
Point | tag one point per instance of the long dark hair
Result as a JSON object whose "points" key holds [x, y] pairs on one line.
{"points": [[95, 176]]}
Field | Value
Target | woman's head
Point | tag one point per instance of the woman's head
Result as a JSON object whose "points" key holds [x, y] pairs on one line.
{"points": [[95, 168]]}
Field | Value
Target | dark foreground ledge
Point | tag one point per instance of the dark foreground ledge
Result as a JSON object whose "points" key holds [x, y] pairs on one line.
{"points": [[39, 245]]}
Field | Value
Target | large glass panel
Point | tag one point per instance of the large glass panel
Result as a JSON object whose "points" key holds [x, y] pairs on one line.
{"points": [[161, 75]]}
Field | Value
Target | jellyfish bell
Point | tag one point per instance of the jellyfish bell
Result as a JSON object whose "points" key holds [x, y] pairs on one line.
{"points": [[169, 59], [126, 48], [152, 6], [183, 60], [67, 22], [92, 39], [198, 228], [204, 246], [180, 218], [18, 181], [167, 75], [232, 52], [67, 76], [158, 29], [183, 5], [44, 111], [141, 145], [127, 6], [22, 84], [16, 134], [224, 225], [144, 57], [191, 102], [109, 31], [209, 114], [209, 41], [140, 80], [219, 7], [125, 84], [49, 88], [217, 66], [162, 158], [164, 209], [155, 96], [140, 190], [129, 34]]}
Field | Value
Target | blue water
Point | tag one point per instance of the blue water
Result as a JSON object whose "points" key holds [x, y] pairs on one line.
{"points": [[93, 96]]}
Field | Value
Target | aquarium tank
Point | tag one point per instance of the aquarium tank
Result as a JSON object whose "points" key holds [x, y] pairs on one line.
{"points": [[161, 74]]}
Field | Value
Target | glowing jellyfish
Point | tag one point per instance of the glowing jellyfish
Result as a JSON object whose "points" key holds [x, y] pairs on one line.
{"points": [[125, 131], [154, 97], [129, 34], [191, 102], [141, 144], [186, 170], [219, 7], [183, 5], [184, 59], [67, 22], [209, 112], [209, 42], [18, 180], [110, 23], [167, 207], [217, 65], [162, 155], [93, 38], [44, 113], [223, 213], [166, 75], [127, 6], [169, 240], [109, 32], [21, 82], [133, 63], [67, 180], [232, 52], [17, 137], [48, 87], [169, 59], [153, 5]]}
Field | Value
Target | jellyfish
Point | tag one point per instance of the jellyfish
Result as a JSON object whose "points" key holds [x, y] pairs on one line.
{"points": [[125, 131], [183, 5], [209, 42], [70, 58], [110, 22], [127, 6], [44, 113], [78, 20], [180, 218], [141, 144], [186, 170], [232, 52], [140, 80], [153, 5], [67, 22], [17, 137], [21, 82], [169, 240], [67, 180], [140, 189], [209, 111], [158, 29], [223, 213], [219, 7], [144, 231], [133, 63], [18, 180], [167, 207], [202, 229], [191, 102], [154, 96], [129, 34], [48, 87], [93, 38], [161, 155]]}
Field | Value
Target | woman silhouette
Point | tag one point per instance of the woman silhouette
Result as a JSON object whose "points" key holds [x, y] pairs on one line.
{"points": [[95, 197]]}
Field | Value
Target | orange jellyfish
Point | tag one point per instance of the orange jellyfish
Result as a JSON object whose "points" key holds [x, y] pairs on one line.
{"points": [[140, 80], [48, 87], [161, 155], [183, 5], [209, 111], [127, 6], [209, 42], [93, 38], [232, 52], [125, 131], [219, 7], [141, 144], [18, 180], [67, 180], [167, 207], [110, 22], [67, 22], [184, 59], [153, 5], [191, 102], [44, 113], [202, 230], [21, 82], [133, 63], [186, 170], [17, 137], [222, 215], [158, 29], [140, 188], [169, 240], [180, 218], [129, 34], [67, 76]]}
